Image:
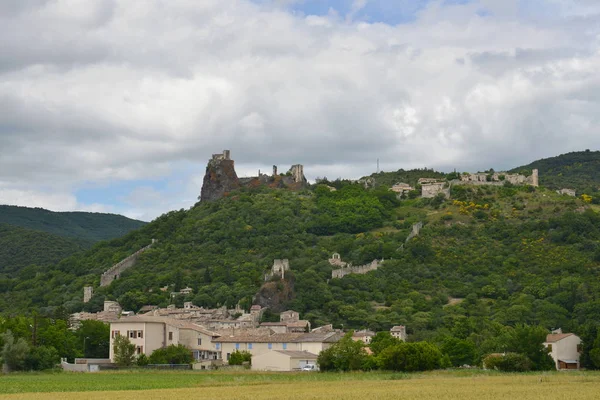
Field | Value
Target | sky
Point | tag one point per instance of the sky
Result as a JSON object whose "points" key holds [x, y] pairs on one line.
{"points": [[117, 105]]}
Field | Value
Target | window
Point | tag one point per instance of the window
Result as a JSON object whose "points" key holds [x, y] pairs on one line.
{"points": [[140, 334], [114, 334], [249, 346], [218, 346], [139, 350], [270, 346], [199, 341], [237, 346], [285, 346], [170, 335], [228, 356], [132, 334]]}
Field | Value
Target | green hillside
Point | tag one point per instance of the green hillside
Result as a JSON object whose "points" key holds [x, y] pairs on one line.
{"points": [[90, 227], [20, 247], [579, 170], [490, 258]]}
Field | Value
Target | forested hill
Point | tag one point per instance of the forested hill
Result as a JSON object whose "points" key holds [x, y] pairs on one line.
{"points": [[85, 226], [489, 258], [579, 170], [20, 248]]}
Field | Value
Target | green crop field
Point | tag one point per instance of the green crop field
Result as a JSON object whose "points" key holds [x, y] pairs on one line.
{"points": [[217, 385]]}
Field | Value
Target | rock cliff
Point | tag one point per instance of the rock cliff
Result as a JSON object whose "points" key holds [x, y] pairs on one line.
{"points": [[220, 177]]}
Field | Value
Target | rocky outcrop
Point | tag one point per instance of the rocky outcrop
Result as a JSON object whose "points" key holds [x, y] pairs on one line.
{"points": [[221, 178], [275, 295]]}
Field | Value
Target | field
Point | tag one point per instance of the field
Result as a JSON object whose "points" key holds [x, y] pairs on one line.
{"points": [[462, 385]]}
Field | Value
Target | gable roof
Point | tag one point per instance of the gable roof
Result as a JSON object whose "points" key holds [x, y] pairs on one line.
{"points": [[245, 338], [555, 337], [327, 337]]}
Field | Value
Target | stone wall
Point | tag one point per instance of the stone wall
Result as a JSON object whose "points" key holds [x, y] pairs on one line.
{"points": [[116, 270], [430, 190], [416, 229], [498, 178], [361, 269]]}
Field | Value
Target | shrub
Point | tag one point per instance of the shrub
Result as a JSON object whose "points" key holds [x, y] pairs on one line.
{"points": [[240, 357], [410, 357], [509, 362], [172, 354]]}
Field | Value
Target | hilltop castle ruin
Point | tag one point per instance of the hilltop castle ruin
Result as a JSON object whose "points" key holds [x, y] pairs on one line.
{"points": [[220, 178]]}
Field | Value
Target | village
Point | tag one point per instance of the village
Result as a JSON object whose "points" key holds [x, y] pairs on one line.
{"points": [[212, 336]]}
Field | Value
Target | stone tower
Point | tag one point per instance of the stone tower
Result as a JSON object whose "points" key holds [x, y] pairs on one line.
{"points": [[535, 178], [298, 173], [88, 292]]}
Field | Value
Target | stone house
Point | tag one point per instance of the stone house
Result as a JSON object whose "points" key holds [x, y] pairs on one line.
{"points": [[152, 333], [363, 335], [284, 360], [401, 188], [564, 348], [399, 332]]}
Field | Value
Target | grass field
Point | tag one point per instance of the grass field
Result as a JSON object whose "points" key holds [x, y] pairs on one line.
{"points": [[217, 385]]}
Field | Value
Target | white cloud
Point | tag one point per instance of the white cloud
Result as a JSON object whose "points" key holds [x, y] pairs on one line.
{"points": [[123, 91]]}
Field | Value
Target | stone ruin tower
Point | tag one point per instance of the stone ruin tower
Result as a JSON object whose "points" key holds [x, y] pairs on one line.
{"points": [[88, 292], [220, 177]]}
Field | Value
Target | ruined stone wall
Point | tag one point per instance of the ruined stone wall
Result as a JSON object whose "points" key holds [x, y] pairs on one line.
{"points": [[431, 190], [416, 229], [515, 179], [116, 270], [361, 269], [88, 292]]}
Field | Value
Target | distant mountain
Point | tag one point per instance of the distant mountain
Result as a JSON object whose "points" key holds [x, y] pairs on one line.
{"points": [[579, 170], [40, 238], [20, 247], [85, 226]]}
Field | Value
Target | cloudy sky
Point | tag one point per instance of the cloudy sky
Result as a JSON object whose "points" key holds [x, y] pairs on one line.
{"points": [[116, 105]]}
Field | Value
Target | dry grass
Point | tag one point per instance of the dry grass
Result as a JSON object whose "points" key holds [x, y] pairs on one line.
{"points": [[424, 387]]}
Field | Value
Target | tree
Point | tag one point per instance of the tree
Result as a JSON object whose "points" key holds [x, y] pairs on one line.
{"points": [[345, 355], [42, 358], [172, 354], [14, 352], [410, 357], [95, 338], [528, 340], [124, 351], [381, 341], [460, 352], [240, 357], [509, 362]]}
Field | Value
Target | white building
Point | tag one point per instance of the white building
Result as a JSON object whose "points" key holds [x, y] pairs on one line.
{"points": [[151, 333], [284, 360], [564, 348]]}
